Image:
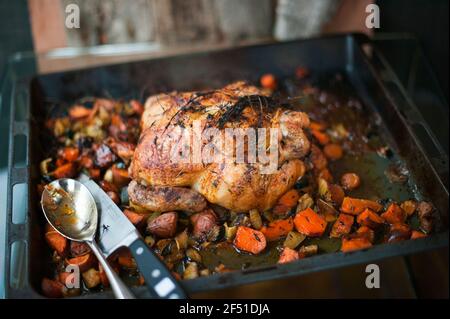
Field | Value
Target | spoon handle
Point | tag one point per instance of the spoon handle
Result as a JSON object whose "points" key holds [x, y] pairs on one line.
{"points": [[120, 290]]}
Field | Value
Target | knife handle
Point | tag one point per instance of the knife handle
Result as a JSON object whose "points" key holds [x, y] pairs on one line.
{"points": [[157, 277]]}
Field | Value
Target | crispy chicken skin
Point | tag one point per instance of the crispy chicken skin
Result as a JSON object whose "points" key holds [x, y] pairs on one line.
{"points": [[236, 186]]}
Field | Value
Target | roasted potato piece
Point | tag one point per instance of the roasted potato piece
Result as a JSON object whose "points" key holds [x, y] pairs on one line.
{"points": [[163, 226]]}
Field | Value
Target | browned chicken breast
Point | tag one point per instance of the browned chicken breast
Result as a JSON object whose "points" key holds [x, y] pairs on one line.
{"points": [[176, 124]]}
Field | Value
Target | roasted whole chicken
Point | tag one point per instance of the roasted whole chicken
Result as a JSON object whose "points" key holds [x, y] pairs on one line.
{"points": [[162, 184]]}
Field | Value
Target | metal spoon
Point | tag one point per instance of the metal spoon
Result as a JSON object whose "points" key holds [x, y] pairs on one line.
{"points": [[70, 208]]}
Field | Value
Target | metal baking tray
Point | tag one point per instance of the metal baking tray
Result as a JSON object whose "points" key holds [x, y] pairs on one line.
{"points": [[374, 82]]}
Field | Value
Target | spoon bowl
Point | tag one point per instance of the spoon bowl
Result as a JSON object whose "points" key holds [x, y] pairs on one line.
{"points": [[70, 208]]}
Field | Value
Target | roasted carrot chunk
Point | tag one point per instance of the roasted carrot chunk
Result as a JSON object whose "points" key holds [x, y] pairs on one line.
{"points": [[370, 219], [355, 243], [342, 226], [366, 232], [333, 151], [316, 126], [355, 206], [288, 255], [286, 202], [65, 171], [78, 112], [394, 214], [57, 242], [417, 234], [309, 223], [249, 240], [84, 262], [321, 137], [268, 81], [69, 154], [277, 229]]}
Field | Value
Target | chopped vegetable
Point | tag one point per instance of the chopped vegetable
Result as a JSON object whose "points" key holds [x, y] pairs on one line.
{"points": [[366, 232], [286, 202], [277, 229], [326, 175], [333, 152], [268, 81], [78, 112], [91, 278], [68, 170], [321, 137], [194, 255], [136, 219], [317, 158], [309, 223], [306, 251], [57, 242], [394, 214], [230, 232], [125, 259], [44, 166], [191, 271], [330, 192], [182, 240], [425, 212], [293, 239], [70, 154], [249, 240], [149, 240], [355, 243], [370, 219], [304, 202], [255, 219], [83, 262], [316, 126], [409, 207], [398, 232], [288, 255], [417, 234], [350, 181], [163, 226], [203, 223], [120, 176], [79, 248], [342, 226], [355, 206]]}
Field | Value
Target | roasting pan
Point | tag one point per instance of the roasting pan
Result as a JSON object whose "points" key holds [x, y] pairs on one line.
{"points": [[375, 84]]}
